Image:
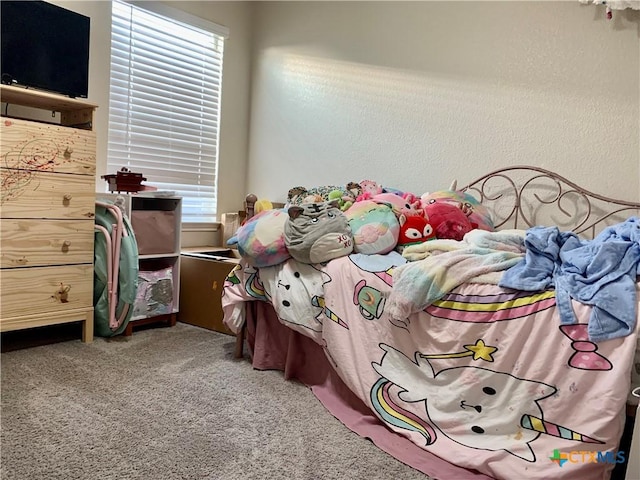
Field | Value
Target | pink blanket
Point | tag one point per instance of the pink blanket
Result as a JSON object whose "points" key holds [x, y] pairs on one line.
{"points": [[484, 378]]}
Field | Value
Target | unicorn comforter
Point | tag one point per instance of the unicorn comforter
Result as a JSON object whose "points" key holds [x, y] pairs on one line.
{"points": [[486, 378]]}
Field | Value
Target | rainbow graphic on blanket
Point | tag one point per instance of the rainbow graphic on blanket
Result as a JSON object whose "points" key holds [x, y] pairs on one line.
{"points": [[491, 308], [394, 414]]}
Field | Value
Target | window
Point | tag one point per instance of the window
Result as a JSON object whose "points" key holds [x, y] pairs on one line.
{"points": [[164, 106]]}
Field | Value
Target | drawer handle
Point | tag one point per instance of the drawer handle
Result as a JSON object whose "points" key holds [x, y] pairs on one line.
{"points": [[62, 294], [67, 198], [68, 151], [65, 245]]}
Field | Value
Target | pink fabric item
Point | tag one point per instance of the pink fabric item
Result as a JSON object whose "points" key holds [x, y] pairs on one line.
{"points": [[274, 346], [439, 379]]}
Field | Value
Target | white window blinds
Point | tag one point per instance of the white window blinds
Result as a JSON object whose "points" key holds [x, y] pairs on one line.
{"points": [[164, 106]]}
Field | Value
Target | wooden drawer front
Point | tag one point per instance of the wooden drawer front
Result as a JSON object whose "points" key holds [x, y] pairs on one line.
{"points": [[29, 291], [47, 148], [34, 243], [28, 194]]}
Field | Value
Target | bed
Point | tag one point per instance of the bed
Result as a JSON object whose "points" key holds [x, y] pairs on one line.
{"points": [[485, 381]]}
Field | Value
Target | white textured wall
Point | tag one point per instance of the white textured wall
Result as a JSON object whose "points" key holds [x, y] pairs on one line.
{"points": [[415, 94]]}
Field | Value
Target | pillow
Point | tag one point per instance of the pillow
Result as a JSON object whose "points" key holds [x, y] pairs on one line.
{"points": [[374, 226], [478, 214], [261, 239]]}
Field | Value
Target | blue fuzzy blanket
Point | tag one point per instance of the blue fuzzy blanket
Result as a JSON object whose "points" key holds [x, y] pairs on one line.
{"points": [[600, 272]]}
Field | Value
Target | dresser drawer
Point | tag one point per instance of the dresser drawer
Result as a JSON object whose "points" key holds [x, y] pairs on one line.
{"points": [[28, 194], [47, 148], [29, 291], [34, 243]]}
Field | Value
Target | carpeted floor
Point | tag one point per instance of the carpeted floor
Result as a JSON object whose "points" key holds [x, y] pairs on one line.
{"points": [[165, 404]]}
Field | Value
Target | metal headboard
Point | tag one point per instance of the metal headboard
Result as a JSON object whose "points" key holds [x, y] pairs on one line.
{"points": [[524, 196]]}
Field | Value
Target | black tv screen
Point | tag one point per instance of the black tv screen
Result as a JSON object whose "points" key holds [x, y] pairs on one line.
{"points": [[44, 46]]}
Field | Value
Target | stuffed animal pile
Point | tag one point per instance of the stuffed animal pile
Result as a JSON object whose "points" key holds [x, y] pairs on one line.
{"points": [[445, 214], [322, 223]]}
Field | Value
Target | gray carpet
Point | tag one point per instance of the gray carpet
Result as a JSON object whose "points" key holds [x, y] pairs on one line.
{"points": [[170, 403]]}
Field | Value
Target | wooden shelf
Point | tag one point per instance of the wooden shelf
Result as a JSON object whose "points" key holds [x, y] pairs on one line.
{"points": [[73, 111]]}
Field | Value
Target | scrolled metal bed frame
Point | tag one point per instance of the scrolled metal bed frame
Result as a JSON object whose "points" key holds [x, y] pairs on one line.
{"points": [[525, 196]]}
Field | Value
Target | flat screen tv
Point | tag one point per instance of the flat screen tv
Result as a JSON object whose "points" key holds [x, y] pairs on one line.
{"points": [[45, 47]]}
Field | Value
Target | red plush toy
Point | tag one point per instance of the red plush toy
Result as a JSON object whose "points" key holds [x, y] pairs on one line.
{"points": [[414, 229], [447, 220]]}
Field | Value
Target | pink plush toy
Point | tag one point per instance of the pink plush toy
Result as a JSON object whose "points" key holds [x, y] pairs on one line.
{"points": [[479, 216], [399, 205], [370, 187], [447, 220]]}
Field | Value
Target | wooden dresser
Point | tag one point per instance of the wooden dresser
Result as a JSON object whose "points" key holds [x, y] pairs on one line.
{"points": [[47, 213]]}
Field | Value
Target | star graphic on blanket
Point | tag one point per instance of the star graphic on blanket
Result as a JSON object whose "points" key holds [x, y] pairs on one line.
{"points": [[479, 350]]}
